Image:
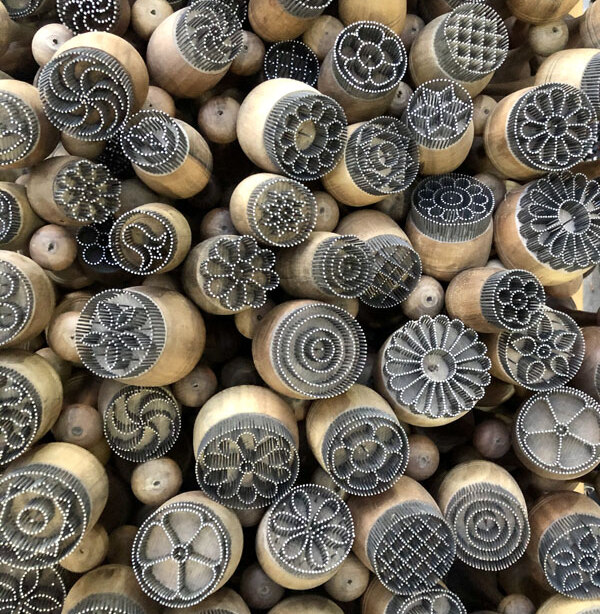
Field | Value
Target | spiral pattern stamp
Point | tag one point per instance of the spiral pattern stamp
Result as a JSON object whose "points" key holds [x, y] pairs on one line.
{"points": [[86, 192], [411, 547], [120, 333], [552, 127], [94, 246], [569, 556], [436, 367], [142, 423], [513, 299], [490, 526], [382, 156], [282, 212], [16, 301], [559, 220], [546, 355], [472, 43], [80, 16], [309, 531], [305, 135], [397, 270], [369, 59], [438, 113], [452, 208], [247, 462], [86, 93], [431, 601], [365, 451], [19, 128], [44, 513], [11, 218], [188, 538], [292, 59], [31, 591]]}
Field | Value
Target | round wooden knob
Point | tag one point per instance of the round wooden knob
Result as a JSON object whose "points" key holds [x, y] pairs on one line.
{"points": [[47, 40], [79, 17], [159, 99], [79, 424], [90, 552], [321, 35], [349, 582], [491, 438], [306, 604], [539, 12], [217, 119], [427, 299], [53, 247], [155, 481], [196, 387], [147, 15], [250, 58], [423, 458], [224, 600], [258, 590]]}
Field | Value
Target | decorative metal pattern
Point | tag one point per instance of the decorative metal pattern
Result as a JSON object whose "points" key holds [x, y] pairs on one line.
{"points": [[365, 451], [86, 192], [16, 301], [589, 80], [558, 432], [292, 60], [452, 208], [86, 93], [382, 156], [319, 350], [33, 591], [142, 423], [568, 554], [545, 356], [431, 601], [309, 530], [436, 367], [247, 462], [552, 127], [238, 273], [282, 212], [438, 113], [44, 513], [368, 59], [113, 157], [120, 333], [473, 42], [180, 554], [342, 266], [490, 526], [94, 248], [513, 300], [305, 8], [305, 135], [17, 9], [10, 217], [81, 16], [559, 220], [397, 271], [19, 129], [209, 34], [106, 603], [411, 547]]}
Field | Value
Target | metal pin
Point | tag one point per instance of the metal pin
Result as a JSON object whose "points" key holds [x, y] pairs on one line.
{"points": [[36, 591], [19, 129], [292, 60], [16, 301], [430, 601], [82, 16]]}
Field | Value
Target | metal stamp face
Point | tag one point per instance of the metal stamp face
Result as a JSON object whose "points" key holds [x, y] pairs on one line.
{"points": [[82, 16], [143, 242], [397, 271], [305, 8], [342, 266], [545, 356], [513, 300], [369, 59], [439, 112], [86, 192], [154, 142], [431, 601], [282, 212], [411, 547], [558, 217], [309, 531], [552, 127], [569, 553], [44, 513], [382, 156], [86, 93], [19, 129], [318, 350], [94, 248], [238, 273], [106, 603], [559, 432], [490, 525], [209, 34], [11, 218], [247, 462], [292, 60], [473, 41], [31, 591], [142, 423], [436, 367], [120, 333], [305, 135], [18, 9], [16, 301], [365, 451], [180, 554], [452, 208]]}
